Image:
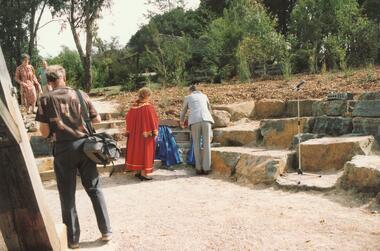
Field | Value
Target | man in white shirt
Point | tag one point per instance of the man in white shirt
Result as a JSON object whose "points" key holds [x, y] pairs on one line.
{"points": [[200, 121]]}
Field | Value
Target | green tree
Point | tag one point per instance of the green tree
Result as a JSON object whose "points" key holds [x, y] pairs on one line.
{"points": [[371, 9], [281, 9], [245, 36], [328, 32], [81, 16], [19, 24], [71, 61], [168, 56]]}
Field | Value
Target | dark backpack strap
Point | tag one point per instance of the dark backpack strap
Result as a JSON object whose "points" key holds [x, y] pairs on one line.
{"points": [[84, 111], [113, 169]]}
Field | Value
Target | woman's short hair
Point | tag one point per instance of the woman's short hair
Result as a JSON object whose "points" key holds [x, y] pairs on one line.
{"points": [[24, 56], [55, 72], [144, 93]]}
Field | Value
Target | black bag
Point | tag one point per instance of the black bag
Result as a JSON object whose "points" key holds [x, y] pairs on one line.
{"points": [[101, 148]]}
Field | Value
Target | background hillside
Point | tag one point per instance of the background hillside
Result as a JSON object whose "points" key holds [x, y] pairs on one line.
{"points": [[169, 100]]}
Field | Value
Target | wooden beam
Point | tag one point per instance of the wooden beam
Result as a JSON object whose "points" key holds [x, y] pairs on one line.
{"points": [[25, 221], [9, 122]]}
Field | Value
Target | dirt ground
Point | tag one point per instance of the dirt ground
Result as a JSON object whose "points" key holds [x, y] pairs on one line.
{"points": [[180, 211]]}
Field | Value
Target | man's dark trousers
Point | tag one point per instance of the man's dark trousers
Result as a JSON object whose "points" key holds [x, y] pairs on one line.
{"points": [[68, 159]]}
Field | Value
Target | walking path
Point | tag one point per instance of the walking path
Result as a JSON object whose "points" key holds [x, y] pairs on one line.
{"points": [[105, 106], [180, 211]]}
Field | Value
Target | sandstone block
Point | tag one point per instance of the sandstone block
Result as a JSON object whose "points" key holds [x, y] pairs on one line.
{"points": [[238, 135], [334, 126], [221, 118], [45, 164], [224, 162], [40, 146], [302, 137], [269, 108], [263, 167], [367, 126], [367, 108], [306, 108], [330, 108], [252, 165], [369, 96], [237, 110], [362, 173], [279, 133], [332, 153]]}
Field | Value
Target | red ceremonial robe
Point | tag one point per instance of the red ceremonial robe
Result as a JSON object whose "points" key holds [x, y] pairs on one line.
{"points": [[142, 127]]}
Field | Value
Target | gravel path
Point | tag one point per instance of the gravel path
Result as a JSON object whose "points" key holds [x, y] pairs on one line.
{"points": [[105, 106], [180, 211]]}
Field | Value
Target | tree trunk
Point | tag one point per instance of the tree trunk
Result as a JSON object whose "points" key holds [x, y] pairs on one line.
{"points": [[31, 29], [87, 78], [87, 84]]}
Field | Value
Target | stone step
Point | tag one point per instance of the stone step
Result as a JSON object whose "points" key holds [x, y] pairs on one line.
{"points": [[181, 135], [279, 133], [252, 165], [238, 110], [331, 153], [362, 173], [48, 173], [247, 134], [109, 124], [40, 145], [45, 163], [184, 144], [111, 116], [309, 181], [117, 134], [306, 107]]}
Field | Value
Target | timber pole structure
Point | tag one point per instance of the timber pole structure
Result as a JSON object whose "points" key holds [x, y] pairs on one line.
{"points": [[25, 221]]}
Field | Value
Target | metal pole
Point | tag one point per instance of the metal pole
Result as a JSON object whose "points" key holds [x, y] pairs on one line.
{"points": [[299, 171]]}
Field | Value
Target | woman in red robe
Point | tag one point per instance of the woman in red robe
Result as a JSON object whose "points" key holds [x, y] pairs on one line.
{"points": [[141, 131]]}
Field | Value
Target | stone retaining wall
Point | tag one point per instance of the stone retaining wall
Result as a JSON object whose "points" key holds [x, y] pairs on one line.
{"points": [[332, 118]]}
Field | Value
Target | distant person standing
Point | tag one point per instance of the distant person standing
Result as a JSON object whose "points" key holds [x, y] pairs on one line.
{"points": [[200, 122], [29, 86], [41, 75]]}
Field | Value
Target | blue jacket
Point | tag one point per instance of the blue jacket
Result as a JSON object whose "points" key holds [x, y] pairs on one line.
{"points": [[166, 147]]}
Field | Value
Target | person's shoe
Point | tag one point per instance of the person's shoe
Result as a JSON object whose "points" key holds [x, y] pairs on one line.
{"points": [[106, 237], [206, 172], [143, 177], [199, 172], [74, 246]]}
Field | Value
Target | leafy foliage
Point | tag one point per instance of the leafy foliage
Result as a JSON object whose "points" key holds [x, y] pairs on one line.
{"points": [[70, 60], [332, 33], [220, 40]]}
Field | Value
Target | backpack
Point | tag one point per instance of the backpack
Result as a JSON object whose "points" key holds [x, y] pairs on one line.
{"points": [[101, 148]]}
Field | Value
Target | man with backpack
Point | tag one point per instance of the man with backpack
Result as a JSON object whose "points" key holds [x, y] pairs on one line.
{"points": [[60, 116]]}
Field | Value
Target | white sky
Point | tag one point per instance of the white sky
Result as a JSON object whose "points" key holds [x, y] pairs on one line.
{"points": [[122, 21]]}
